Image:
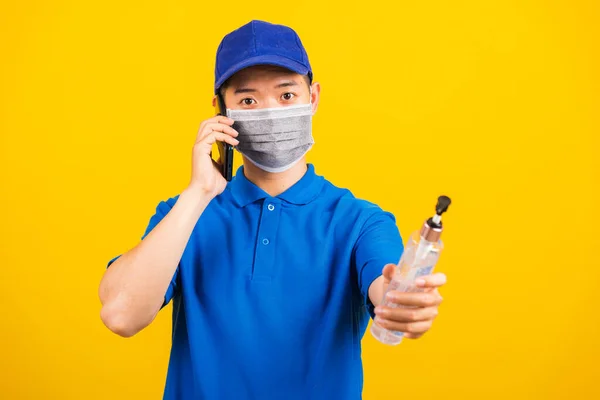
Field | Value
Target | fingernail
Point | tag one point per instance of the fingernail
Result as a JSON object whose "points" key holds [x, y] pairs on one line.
{"points": [[420, 282], [380, 311]]}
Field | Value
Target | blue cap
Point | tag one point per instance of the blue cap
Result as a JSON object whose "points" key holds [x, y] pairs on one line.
{"points": [[260, 43]]}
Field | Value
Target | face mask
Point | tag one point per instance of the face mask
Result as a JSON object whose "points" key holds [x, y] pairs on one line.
{"points": [[274, 139]]}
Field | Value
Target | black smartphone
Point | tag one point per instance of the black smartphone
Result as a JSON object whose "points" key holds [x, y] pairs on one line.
{"points": [[225, 149]]}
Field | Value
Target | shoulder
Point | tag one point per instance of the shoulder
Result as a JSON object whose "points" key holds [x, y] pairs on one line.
{"points": [[355, 208]]}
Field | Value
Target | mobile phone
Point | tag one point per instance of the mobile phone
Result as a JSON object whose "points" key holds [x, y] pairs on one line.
{"points": [[225, 149]]}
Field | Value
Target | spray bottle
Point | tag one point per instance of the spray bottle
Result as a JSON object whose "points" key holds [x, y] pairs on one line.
{"points": [[421, 253]]}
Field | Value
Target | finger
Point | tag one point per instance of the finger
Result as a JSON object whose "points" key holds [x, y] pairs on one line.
{"points": [[218, 128], [432, 290], [413, 335], [406, 314], [388, 272], [431, 281], [214, 125], [419, 299], [219, 119], [419, 327], [222, 119], [221, 137], [223, 128]]}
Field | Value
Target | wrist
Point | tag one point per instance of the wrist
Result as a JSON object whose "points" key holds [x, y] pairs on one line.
{"points": [[196, 197]]}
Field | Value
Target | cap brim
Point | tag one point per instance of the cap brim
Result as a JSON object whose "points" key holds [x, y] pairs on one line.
{"points": [[276, 60]]}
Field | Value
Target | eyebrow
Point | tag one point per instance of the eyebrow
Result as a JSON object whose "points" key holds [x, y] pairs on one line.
{"points": [[244, 90], [286, 84], [251, 90]]}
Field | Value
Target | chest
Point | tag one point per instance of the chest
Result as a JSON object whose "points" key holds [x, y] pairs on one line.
{"points": [[271, 241], [270, 250]]}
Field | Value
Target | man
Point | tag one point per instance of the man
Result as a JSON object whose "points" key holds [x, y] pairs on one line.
{"points": [[274, 274]]}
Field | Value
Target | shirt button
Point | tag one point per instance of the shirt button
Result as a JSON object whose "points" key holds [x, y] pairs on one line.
{"points": [[265, 241], [271, 207]]}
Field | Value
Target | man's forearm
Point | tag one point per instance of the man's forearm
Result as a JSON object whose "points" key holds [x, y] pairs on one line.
{"points": [[133, 287], [376, 291]]}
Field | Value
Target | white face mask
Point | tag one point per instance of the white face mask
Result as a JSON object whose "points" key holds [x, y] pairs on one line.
{"points": [[274, 139]]}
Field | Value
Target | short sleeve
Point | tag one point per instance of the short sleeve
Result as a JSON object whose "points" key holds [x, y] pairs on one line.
{"points": [[162, 210], [379, 243]]}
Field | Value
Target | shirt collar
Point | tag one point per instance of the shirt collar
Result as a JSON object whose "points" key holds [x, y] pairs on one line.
{"points": [[302, 192]]}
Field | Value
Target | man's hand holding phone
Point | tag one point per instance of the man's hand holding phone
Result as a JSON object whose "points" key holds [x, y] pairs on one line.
{"points": [[133, 289], [207, 178]]}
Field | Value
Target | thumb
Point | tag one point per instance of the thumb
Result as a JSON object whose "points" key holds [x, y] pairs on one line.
{"points": [[388, 273]]}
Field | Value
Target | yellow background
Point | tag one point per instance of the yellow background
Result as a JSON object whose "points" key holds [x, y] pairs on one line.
{"points": [[494, 103]]}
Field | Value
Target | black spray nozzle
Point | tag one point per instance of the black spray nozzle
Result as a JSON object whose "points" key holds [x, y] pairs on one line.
{"points": [[442, 205], [440, 208]]}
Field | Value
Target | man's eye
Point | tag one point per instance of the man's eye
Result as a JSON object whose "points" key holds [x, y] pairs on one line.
{"points": [[248, 101], [288, 96]]}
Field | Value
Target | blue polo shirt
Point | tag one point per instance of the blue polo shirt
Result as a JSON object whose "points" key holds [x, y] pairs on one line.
{"points": [[270, 298]]}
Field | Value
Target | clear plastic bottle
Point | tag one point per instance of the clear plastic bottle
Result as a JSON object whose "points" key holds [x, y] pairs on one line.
{"points": [[421, 253]]}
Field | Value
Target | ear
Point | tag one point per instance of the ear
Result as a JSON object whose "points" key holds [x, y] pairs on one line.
{"points": [[315, 95], [214, 101]]}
